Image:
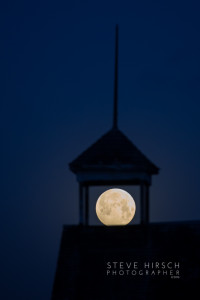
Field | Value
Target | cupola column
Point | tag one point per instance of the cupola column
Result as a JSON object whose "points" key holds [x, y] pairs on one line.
{"points": [[144, 202]]}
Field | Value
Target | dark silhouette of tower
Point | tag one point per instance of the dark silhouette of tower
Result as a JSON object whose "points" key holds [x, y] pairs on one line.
{"points": [[86, 252], [113, 160]]}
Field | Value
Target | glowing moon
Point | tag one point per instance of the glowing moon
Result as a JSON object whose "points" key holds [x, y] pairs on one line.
{"points": [[115, 207]]}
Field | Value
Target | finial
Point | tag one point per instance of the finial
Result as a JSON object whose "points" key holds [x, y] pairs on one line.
{"points": [[115, 113]]}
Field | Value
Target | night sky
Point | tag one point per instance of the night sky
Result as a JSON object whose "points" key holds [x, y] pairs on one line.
{"points": [[57, 67]]}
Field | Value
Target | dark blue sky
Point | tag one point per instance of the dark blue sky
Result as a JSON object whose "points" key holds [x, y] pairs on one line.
{"points": [[57, 65]]}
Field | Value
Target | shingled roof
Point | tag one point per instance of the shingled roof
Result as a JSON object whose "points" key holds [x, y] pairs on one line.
{"points": [[113, 151]]}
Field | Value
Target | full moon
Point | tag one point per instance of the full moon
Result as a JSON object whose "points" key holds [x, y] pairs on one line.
{"points": [[115, 207]]}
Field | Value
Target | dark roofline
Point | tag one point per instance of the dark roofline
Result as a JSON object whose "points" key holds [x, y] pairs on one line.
{"points": [[80, 163]]}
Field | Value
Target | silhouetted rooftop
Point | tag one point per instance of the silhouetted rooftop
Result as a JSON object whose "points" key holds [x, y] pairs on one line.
{"points": [[84, 252], [113, 151]]}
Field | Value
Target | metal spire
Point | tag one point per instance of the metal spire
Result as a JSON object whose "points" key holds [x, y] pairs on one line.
{"points": [[115, 113]]}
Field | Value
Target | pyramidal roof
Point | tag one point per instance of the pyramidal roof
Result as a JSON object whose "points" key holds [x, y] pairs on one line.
{"points": [[113, 151]]}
